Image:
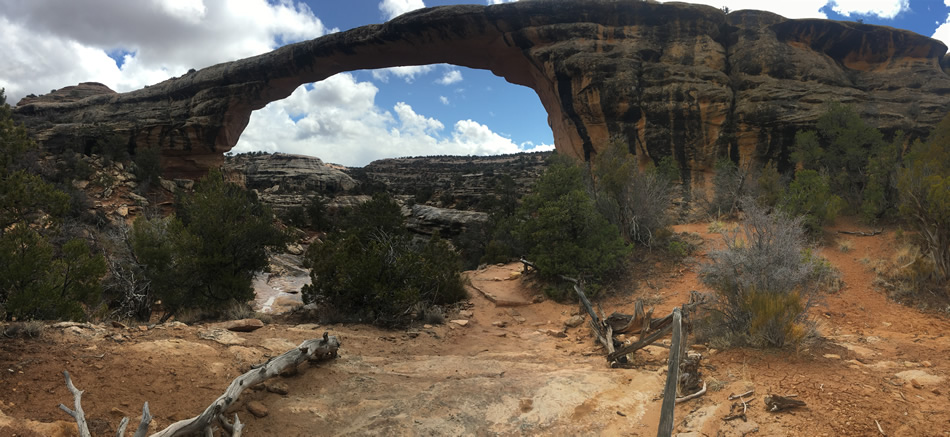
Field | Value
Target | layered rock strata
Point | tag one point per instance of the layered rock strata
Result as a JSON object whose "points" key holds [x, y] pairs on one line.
{"points": [[668, 79]]}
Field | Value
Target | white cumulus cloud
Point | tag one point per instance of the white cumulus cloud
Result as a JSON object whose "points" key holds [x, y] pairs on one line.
{"points": [[407, 73], [450, 77], [49, 44], [343, 124], [394, 8], [444, 100], [887, 9]]}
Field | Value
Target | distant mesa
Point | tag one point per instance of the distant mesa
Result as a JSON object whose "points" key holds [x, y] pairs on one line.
{"points": [[669, 79]]}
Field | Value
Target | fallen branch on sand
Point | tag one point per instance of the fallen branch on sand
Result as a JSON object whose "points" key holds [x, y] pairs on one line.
{"points": [[862, 234], [310, 350], [776, 403], [701, 392]]}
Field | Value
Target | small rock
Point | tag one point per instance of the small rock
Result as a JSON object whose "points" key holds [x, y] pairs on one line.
{"points": [[926, 364], [412, 334], [138, 199], [168, 185], [537, 299], [427, 326], [221, 336], [526, 405], [520, 319], [916, 384], [257, 409], [460, 322], [499, 324], [185, 183], [244, 325], [466, 313], [501, 334], [142, 328], [122, 211], [119, 325], [574, 321], [555, 333], [832, 356], [278, 387], [514, 275]]}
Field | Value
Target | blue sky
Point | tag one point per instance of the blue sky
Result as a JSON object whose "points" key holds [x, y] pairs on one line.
{"points": [[351, 118]]}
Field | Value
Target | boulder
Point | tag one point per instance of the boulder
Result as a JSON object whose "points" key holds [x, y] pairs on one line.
{"points": [[427, 220], [243, 325]]}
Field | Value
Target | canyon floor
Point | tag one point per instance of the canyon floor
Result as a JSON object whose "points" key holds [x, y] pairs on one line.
{"points": [[507, 370]]}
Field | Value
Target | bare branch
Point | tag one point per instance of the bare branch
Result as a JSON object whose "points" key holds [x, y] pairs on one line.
{"points": [[77, 402], [701, 392], [308, 350], [142, 430]]}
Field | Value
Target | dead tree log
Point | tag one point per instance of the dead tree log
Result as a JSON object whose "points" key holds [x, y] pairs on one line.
{"points": [[312, 350]]}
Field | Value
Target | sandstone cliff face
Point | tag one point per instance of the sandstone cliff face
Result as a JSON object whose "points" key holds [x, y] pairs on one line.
{"points": [[668, 79], [289, 172]]}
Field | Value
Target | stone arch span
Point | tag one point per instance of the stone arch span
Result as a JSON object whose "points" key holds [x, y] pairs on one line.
{"points": [[675, 79]]}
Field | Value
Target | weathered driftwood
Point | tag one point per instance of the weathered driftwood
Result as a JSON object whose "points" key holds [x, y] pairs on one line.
{"points": [[862, 233], [77, 413], [776, 403], [698, 393], [312, 350], [672, 378]]}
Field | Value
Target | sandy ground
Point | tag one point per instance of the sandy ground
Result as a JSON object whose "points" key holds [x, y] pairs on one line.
{"points": [[510, 370]]}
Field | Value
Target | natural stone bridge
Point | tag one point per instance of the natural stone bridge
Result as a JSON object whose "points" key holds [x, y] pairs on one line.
{"points": [[669, 79]]}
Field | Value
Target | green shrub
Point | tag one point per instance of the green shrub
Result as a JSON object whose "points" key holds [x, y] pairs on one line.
{"points": [[770, 187], [563, 233], [39, 283], [148, 167], [854, 155], [43, 274], [208, 254], [111, 147], [317, 213], [809, 196], [374, 271], [924, 187]]}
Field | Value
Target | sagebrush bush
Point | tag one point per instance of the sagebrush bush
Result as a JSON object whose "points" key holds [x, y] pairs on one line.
{"points": [[765, 277], [636, 201]]}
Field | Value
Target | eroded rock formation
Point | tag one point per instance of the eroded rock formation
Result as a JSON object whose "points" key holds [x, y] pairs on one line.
{"points": [[669, 79]]}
